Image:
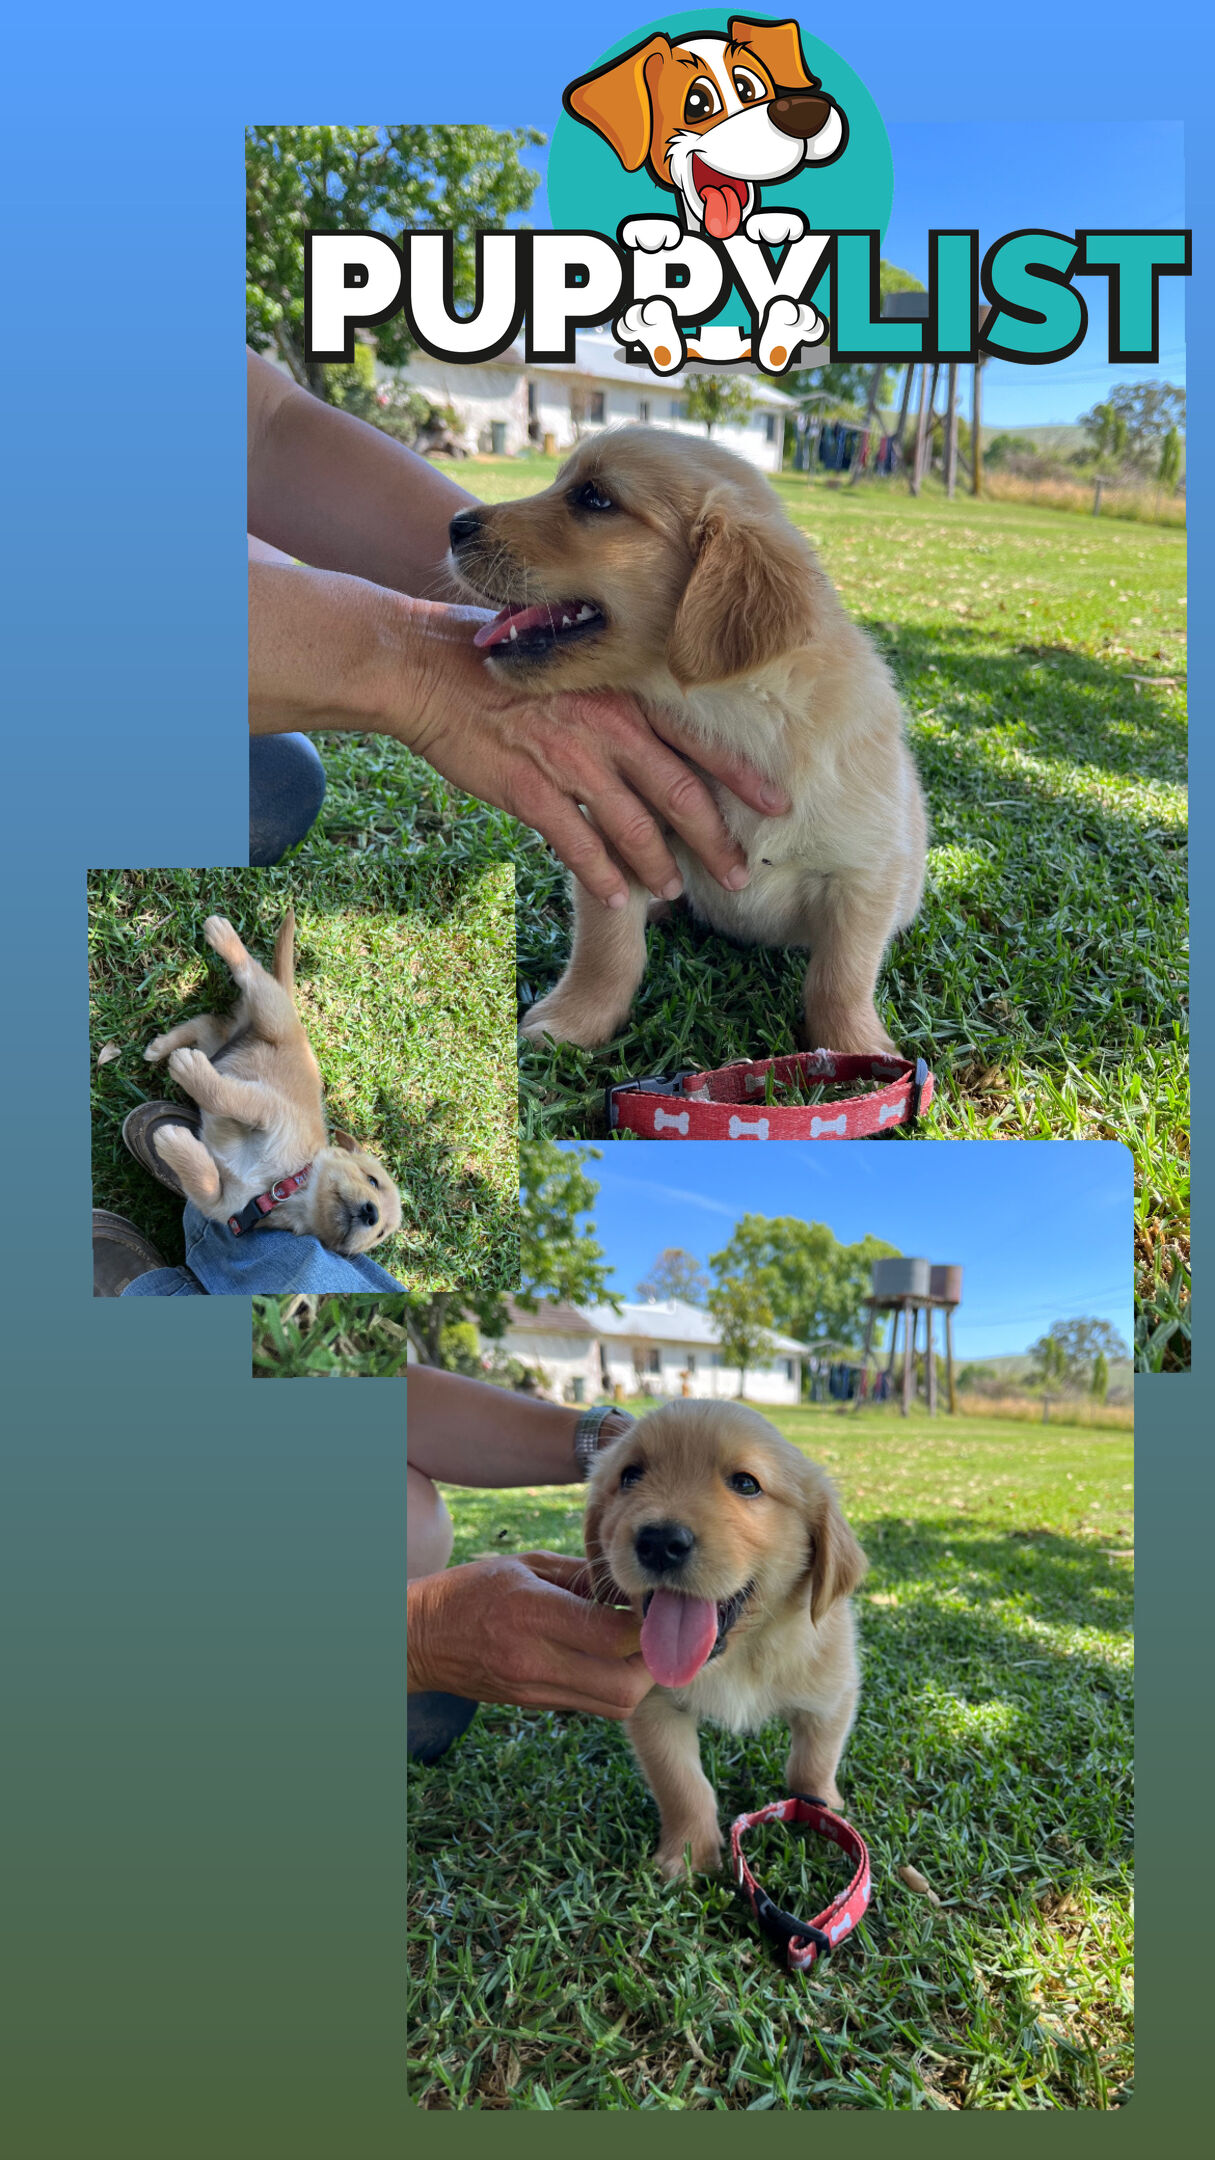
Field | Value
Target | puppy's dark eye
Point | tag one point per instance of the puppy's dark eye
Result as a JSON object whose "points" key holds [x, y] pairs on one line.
{"points": [[741, 1481], [748, 86], [631, 1476], [701, 101], [591, 496], [373, 1181]]}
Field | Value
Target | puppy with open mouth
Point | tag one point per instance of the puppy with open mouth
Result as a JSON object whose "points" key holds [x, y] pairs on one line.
{"points": [[664, 566], [262, 1152], [733, 1549]]}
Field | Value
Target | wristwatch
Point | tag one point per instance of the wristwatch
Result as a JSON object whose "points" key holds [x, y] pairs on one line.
{"points": [[595, 1429]]}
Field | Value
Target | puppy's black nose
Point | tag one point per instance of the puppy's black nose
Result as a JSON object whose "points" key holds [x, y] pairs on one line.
{"points": [[464, 527], [663, 1546], [369, 1213], [798, 114]]}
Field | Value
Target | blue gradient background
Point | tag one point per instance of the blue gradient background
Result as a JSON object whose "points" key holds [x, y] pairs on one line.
{"points": [[200, 1582]]}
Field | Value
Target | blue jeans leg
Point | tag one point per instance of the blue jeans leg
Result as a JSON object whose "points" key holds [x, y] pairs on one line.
{"points": [[261, 1263], [286, 790]]}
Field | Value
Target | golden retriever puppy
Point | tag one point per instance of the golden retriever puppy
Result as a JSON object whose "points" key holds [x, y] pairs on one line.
{"points": [[665, 566], [733, 1549], [254, 1077]]}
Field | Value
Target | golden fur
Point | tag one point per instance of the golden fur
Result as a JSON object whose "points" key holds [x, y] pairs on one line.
{"points": [[254, 1077], [791, 1651], [715, 610]]}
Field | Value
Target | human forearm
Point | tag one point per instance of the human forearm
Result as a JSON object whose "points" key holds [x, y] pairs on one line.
{"points": [[330, 651], [338, 494], [466, 1433]]}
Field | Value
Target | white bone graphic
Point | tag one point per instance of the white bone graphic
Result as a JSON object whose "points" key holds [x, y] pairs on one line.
{"points": [[739, 1128], [755, 1082], [676, 1119], [828, 1124], [892, 1109], [788, 324], [652, 323]]}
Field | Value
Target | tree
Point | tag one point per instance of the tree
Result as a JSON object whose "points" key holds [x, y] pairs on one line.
{"points": [[1069, 1351], [814, 1284], [744, 1317], [1099, 1386], [1169, 472], [383, 179], [559, 1257], [1134, 420], [676, 1274], [716, 399]]}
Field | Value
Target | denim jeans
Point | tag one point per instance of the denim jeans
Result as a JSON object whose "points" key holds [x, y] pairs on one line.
{"points": [[286, 790], [261, 1263]]}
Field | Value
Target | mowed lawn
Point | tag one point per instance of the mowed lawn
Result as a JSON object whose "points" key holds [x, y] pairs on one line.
{"points": [[1041, 657], [550, 1968], [406, 997]]}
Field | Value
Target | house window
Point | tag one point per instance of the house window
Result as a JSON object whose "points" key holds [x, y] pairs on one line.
{"points": [[770, 427], [691, 1363], [598, 404], [790, 1374], [654, 1364], [675, 409], [643, 408], [532, 406]]}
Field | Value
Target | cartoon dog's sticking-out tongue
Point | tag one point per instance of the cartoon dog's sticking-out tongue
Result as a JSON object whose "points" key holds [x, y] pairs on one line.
{"points": [[677, 1636], [724, 199]]}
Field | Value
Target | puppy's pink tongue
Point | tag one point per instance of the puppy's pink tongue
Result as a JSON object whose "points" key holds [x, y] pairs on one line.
{"points": [[677, 1635], [723, 212]]}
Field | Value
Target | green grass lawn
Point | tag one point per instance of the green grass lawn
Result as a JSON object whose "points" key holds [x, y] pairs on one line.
{"points": [[550, 1969], [403, 980], [1045, 976]]}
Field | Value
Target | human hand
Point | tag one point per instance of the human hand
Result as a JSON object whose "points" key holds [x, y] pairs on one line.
{"points": [[519, 1630], [541, 757]]}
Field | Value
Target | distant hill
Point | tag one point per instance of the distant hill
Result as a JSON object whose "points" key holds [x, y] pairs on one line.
{"points": [[1015, 1371], [1065, 439]]}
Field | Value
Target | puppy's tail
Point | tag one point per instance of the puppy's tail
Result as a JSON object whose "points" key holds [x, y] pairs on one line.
{"points": [[284, 953]]}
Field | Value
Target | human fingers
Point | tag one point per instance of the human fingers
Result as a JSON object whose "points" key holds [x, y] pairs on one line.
{"points": [[727, 766], [609, 1688], [568, 1570], [684, 802], [540, 803]]}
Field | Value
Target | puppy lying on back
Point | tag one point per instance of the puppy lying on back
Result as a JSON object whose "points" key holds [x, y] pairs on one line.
{"points": [[665, 566], [255, 1079], [734, 1549]]}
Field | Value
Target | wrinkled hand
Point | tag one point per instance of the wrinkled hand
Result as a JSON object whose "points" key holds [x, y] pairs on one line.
{"points": [[523, 1631], [541, 757]]}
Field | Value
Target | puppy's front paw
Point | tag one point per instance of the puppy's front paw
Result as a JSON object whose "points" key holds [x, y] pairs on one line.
{"points": [[775, 227], [651, 234], [857, 1033], [569, 1019], [695, 1851], [157, 1049]]}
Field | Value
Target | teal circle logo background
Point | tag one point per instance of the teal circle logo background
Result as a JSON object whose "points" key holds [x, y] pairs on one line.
{"points": [[589, 189]]}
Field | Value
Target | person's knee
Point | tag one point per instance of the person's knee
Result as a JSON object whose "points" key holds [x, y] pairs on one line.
{"points": [[286, 790], [429, 1531]]}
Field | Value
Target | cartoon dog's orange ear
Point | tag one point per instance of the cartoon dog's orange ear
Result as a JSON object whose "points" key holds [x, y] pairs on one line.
{"points": [[615, 100], [779, 47]]}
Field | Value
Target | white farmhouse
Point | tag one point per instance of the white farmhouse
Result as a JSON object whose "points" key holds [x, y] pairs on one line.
{"points": [[667, 1348], [506, 406]]}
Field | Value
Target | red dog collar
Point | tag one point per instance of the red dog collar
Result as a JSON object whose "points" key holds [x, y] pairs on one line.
{"points": [[265, 1202], [804, 1940], [697, 1105]]}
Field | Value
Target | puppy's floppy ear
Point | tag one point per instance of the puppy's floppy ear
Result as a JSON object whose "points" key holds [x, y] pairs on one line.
{"points": [[749, 599], [778, 46], [346, 1140], [615, 100], [837, 1563]]}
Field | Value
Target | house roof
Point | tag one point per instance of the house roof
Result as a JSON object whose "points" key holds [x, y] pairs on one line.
{"points": [[598, 358], [670, 1321]]}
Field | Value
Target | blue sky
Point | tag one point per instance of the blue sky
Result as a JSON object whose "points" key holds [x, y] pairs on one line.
{"points": [[1042, 1228]]}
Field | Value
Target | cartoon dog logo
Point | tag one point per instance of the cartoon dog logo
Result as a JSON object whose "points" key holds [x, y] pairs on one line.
{"points": [[713, 118]]}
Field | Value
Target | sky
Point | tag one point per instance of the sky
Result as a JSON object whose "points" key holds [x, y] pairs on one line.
{"points": [[1042, 1229]]}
